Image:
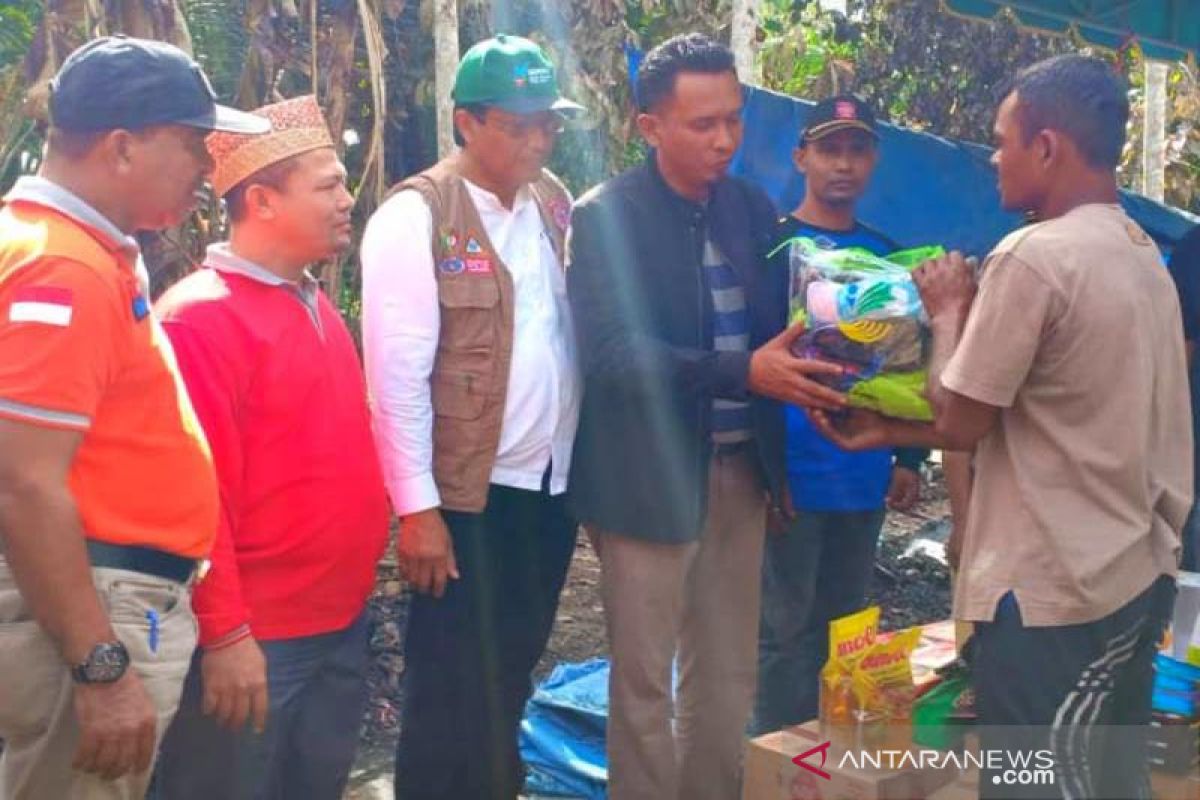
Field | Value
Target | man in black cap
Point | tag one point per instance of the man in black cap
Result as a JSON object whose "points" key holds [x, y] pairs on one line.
{"points": [[108, 502], [818, 565]]}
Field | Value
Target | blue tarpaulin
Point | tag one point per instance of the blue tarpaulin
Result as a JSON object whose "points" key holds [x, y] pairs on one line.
{"points": [[1168, 29], [562, 734], [926, 189]]}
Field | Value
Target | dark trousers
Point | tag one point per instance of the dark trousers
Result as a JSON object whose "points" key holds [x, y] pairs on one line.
{"points": [[469, 655], [816, 571], [1081, 692], [1191, 540], [317, 691]]}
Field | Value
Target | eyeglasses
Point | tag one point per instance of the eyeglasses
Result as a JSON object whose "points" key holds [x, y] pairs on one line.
{"points": [[522, 126]]}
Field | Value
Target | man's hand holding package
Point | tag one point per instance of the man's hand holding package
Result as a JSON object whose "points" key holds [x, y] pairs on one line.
{"points": [[853, 429], [775, 372], [947, 286]]}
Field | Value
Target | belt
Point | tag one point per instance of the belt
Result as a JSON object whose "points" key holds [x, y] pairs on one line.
{"points": [[142, 559]]}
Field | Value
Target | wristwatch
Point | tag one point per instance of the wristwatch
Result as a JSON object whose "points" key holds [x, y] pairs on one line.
{"points": [[105, 664]]}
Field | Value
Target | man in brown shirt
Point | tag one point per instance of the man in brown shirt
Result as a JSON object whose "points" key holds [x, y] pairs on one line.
{"points": [[1066, 374]]}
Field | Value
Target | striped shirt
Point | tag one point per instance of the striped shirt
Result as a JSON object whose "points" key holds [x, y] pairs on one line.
{"points": [[731, 333]]}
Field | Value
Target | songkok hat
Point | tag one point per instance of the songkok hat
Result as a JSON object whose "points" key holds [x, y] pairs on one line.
{"points": [[297, 126]]}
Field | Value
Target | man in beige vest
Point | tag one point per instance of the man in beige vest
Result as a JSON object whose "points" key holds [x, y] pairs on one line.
{"points": [[475, 395]]}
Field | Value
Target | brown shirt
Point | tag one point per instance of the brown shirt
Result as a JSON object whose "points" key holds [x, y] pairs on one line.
{"points": [[1082, 488]]}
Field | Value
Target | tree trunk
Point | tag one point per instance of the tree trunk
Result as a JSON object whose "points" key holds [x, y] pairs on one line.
{"points": [[64, 27], [262, 56], [151, 19], [1154, 155], [742, 38], [342, 35], [373, 182], [67, 24], [446, 55]]}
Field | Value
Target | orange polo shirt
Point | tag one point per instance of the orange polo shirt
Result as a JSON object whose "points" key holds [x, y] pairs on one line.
{"points": [[80, 350]]}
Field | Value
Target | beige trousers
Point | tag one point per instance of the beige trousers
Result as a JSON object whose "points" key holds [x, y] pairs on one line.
{"points": [[37, 717], [697, 604]]}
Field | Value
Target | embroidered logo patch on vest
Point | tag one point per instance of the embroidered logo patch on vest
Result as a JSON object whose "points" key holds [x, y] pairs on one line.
{"points": [[479, 266], [449, 240], [473, 246], [451, 266]]}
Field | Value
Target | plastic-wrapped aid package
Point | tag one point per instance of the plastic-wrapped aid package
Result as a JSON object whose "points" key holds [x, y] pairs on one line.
{"points": [[864, 312]]}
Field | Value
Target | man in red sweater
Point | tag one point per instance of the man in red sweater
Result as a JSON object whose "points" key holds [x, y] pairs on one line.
{"points": [[272, 705]]}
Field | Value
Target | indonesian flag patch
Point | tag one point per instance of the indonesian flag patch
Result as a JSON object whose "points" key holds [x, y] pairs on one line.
{"points": [[47, 305]]}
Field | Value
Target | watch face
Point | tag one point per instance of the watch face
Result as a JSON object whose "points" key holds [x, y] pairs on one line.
{"points": [[106, 663]]}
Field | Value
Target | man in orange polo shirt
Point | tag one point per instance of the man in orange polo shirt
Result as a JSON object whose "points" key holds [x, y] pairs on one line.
{"points": [[105, 478]]}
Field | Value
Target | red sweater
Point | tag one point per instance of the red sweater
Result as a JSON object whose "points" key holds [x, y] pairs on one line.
{"points": [[283, 403]]}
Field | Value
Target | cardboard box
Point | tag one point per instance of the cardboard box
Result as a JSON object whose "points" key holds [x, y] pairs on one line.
{"points": [[770, 773], [1166, 786], [964, 787], [938, 647]]}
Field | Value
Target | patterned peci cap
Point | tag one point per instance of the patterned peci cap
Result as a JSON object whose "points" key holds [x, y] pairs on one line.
{"points": [[297, 126]]}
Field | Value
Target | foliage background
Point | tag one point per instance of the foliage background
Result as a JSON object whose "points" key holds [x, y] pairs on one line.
{"points": [[370, 61]]}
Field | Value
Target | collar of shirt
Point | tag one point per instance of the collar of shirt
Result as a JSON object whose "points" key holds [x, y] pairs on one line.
{"points": [[692, 210], [487, 202], [44, 192], [222, 258]]}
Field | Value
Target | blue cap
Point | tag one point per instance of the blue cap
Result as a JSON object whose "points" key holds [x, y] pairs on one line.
{"points": [[121, 82]]}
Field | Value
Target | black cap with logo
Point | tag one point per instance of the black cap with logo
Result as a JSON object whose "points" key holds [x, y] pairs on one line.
{"points": [[838, 114], [121, 82]]}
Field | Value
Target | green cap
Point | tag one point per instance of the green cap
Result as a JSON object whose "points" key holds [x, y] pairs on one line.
{"points": [[510, 73]]}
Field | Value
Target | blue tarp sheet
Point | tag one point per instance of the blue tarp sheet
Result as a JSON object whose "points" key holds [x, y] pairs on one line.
{"points": [[562, 734], [926, 189]]}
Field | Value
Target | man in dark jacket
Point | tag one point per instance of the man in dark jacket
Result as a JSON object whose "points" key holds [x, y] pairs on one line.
{"points": [[679, 321]]}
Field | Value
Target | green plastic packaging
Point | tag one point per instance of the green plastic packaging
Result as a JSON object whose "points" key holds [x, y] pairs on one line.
{"points": [[896, 394], [933, 714]]}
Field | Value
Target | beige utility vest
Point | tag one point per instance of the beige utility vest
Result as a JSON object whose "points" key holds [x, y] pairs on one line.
{"points": [[475, 291]]}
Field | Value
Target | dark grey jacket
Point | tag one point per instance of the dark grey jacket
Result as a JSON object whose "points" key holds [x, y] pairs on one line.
{"points": [[643, 316]]}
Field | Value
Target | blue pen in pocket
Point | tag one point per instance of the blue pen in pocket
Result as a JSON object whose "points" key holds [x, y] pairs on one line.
{"points": [[152, 618]]}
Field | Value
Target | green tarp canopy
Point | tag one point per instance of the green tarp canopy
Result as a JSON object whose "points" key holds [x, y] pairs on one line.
{"points": [[1166, 29]]}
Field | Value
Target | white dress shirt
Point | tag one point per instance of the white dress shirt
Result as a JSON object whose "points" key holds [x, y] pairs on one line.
{"points": [[400, 325]]}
